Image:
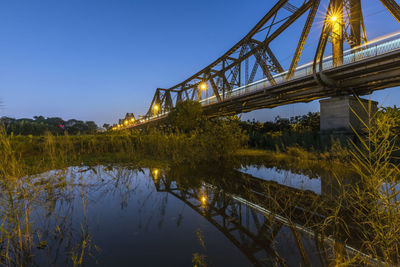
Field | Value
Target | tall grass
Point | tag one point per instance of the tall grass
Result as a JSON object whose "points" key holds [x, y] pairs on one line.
{"points": [[23, 194], [377, 197], [216, 143], [16, 198]]}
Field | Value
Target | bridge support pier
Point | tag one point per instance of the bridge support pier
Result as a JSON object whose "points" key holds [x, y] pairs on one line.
{"points": [[341, 114]]}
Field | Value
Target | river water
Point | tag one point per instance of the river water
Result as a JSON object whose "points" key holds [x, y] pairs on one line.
{"points": [[129, 216]]}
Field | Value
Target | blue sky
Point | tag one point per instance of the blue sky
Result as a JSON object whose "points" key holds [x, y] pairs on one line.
{"points": [[98, 59]]}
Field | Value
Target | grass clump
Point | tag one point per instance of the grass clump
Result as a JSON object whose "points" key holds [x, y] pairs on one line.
{"points": [[378, 194]]}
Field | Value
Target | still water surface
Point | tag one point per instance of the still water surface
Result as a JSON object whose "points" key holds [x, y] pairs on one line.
{"points": [[122, 216]]}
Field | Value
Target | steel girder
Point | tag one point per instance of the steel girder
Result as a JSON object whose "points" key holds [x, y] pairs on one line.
{"points": [[225, 73], [393, 8], [303, 38]]}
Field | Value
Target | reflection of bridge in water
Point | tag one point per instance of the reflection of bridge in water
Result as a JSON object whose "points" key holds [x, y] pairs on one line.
{"points": [[251, 76], [256, 215]]}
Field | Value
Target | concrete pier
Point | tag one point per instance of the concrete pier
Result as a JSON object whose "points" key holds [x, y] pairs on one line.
{"points": [[338, 114]]}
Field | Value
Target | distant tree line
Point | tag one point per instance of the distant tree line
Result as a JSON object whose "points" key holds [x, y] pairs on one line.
{"points": [[298, 130], [40, 125], [309, 122]]}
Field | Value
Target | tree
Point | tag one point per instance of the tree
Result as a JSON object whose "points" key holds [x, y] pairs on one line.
{"points": [[392, 116], [39, 118], [40, 125], [92, 127], [186, 116]]}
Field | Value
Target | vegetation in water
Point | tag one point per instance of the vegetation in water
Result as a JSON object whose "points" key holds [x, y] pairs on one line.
{"points": [[365, 215]]}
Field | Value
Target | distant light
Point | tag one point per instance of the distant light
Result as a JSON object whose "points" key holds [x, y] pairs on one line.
{"points": [[126, 122], [334, 18], [132, 120], [156, 107], [203, 199]]}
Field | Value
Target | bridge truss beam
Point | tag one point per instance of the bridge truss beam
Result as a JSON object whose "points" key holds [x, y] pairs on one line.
{"points": [[343, 25]]}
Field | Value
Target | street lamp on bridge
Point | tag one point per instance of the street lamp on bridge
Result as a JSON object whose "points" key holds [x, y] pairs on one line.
{"points": [[156, 108], [203, 86]]}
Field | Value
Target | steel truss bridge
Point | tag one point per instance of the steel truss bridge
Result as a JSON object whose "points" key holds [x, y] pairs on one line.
{"points": [[249, 76], [254, 214]]}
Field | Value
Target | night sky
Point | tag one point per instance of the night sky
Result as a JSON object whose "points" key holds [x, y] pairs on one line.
{"points": [[98, 59]]}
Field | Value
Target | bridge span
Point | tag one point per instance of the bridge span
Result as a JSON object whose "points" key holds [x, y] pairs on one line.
{"points": [[227, 85]]}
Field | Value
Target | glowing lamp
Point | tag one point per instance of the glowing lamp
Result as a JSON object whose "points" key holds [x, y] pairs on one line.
{"points": [[203, 86]]}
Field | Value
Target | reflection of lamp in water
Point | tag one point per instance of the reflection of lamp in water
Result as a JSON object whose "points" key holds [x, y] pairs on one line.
{"points": [[203, 200], [155, 172]]}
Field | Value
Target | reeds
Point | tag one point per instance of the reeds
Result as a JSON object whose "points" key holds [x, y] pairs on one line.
{"points": [[376, 199], [23, 194], [15, 201]]}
